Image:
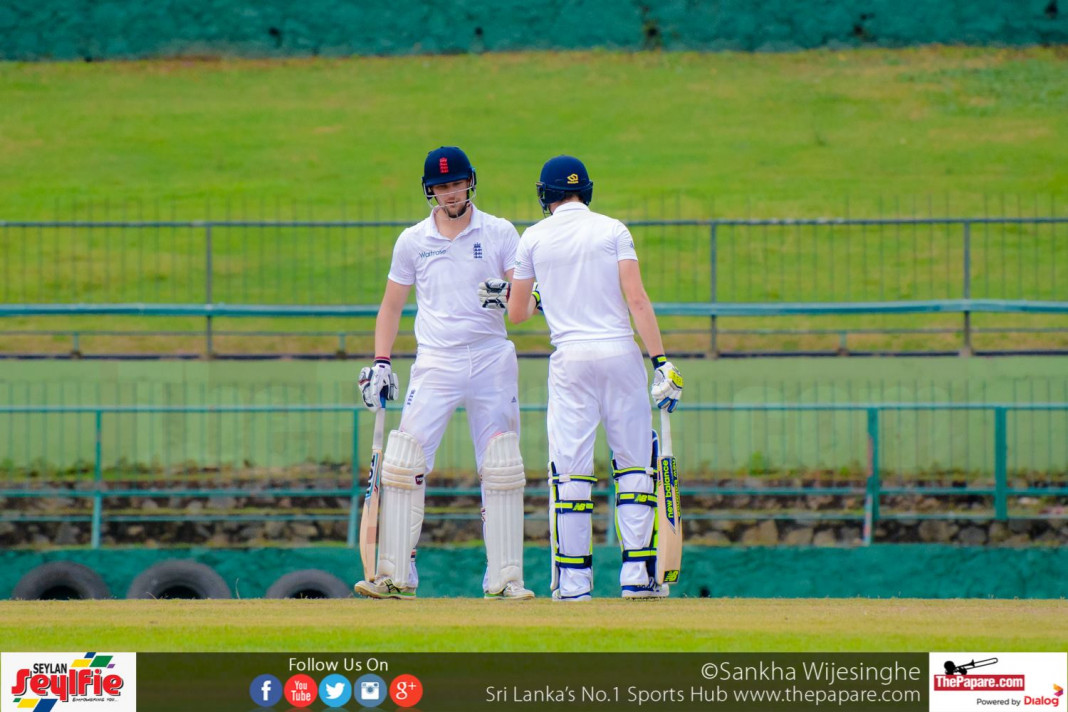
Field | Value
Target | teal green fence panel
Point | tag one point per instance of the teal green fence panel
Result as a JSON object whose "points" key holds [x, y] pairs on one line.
{"points": [[707, 268], [288, 454], [79, 30], [734, 439]]}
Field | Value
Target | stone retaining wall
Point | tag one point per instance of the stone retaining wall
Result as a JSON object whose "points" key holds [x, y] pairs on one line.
{"points": [[753, 520]]}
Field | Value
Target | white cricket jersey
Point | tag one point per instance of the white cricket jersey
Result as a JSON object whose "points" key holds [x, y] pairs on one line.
{"points": [[574, 254], [446, 274]]}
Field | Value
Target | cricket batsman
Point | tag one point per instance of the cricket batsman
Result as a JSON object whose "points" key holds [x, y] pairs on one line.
{"points": [[463, 358], [590, 286]]}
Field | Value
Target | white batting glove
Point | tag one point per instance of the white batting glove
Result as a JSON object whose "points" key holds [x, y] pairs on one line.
{"points": [[493, 293], [667, 384], [378, 384]]}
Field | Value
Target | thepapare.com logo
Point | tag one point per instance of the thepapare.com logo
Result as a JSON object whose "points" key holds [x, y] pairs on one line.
{"points": [[68, 682], [976, 681]]}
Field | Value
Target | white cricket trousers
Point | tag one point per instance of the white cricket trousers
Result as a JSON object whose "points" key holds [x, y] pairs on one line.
{"points": [[483, 379], [591, 383]]}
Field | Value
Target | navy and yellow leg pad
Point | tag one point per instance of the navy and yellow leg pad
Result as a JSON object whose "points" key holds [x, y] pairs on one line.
{"points": [[556, 478], [573, 562], [577, 506], [618, 472], [564, 507], [560, 507], [645, 553], [646, 498]]}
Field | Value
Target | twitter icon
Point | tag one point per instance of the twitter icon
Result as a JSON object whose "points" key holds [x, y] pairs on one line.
{"points": [[335, 691]]}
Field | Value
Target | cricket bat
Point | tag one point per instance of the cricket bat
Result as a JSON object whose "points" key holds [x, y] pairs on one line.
{"points": [[369, 519], [668, 512]]}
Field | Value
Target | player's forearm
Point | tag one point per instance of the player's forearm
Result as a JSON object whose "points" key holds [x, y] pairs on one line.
{"points": [[519, 314], [386, 326], [648, 328], [521, 302], [641, 309]]}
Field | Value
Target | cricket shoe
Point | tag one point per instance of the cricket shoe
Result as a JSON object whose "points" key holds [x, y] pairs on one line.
{"points": [[650, 590], [557, 596], [512, 591], [383, 587]]}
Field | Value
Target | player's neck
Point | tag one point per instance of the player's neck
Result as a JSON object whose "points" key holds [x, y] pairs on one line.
{"points": [[450, 227]]}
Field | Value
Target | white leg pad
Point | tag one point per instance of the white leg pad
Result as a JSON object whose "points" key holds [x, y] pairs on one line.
{"points": [[572, 554], [503, 480], [635, 519], [554, 540], [403, 498]]}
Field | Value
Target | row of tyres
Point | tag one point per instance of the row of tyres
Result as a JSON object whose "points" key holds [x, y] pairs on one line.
{"points": [[174, 578]]}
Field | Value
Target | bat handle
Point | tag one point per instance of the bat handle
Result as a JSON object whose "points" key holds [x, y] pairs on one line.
{"points": [[665, 434], [380, 427]]}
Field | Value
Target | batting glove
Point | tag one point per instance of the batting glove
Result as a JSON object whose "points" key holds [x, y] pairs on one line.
{"points": [[378, 384], [667, 384], [493, 293]]}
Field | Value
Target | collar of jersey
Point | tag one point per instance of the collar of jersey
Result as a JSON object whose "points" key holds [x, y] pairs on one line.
{"points": [[475, 224], [571, 205]]}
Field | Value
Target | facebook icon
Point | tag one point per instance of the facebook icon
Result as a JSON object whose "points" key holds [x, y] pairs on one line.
{"points": [[266, 691]]}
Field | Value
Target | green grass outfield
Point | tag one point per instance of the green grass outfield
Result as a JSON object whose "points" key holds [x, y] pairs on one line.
{"points": [[915, 132], [772, 134], [440, 625]]}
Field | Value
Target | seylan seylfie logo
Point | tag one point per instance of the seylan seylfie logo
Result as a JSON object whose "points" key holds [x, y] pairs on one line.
{"points": [[46, 681]]}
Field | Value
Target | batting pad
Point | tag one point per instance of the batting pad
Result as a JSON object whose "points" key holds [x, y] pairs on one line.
{"points": [[503, 480], [403, 498], [635, 519], [572, 519]]}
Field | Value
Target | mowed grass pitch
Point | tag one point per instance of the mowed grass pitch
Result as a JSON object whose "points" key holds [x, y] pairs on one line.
{"points": [[464, 625]]}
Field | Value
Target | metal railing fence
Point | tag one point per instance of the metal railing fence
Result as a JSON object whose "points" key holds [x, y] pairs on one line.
{"points": [[232, 264], [343, 343], [346, 262], [282, 455]]}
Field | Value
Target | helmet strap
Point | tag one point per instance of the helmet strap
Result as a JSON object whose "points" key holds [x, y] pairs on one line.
{"points": [[432, 201], [463, 210]]}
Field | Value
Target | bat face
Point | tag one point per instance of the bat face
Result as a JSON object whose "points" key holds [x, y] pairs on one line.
{"points": [[669, 529], [669, 480], [373, 474], [369, 520]]}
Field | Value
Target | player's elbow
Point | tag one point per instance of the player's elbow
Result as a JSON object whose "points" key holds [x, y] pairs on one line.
{"points": [[516, 316]]}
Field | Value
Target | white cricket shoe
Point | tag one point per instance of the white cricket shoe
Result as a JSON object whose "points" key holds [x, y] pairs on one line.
{"points": [[567, 599], [383, 587], [512, 591], [650, 590]]}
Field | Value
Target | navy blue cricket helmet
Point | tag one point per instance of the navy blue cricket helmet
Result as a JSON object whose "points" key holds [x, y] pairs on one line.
{"points": [[444, 165], [561, 176]]}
